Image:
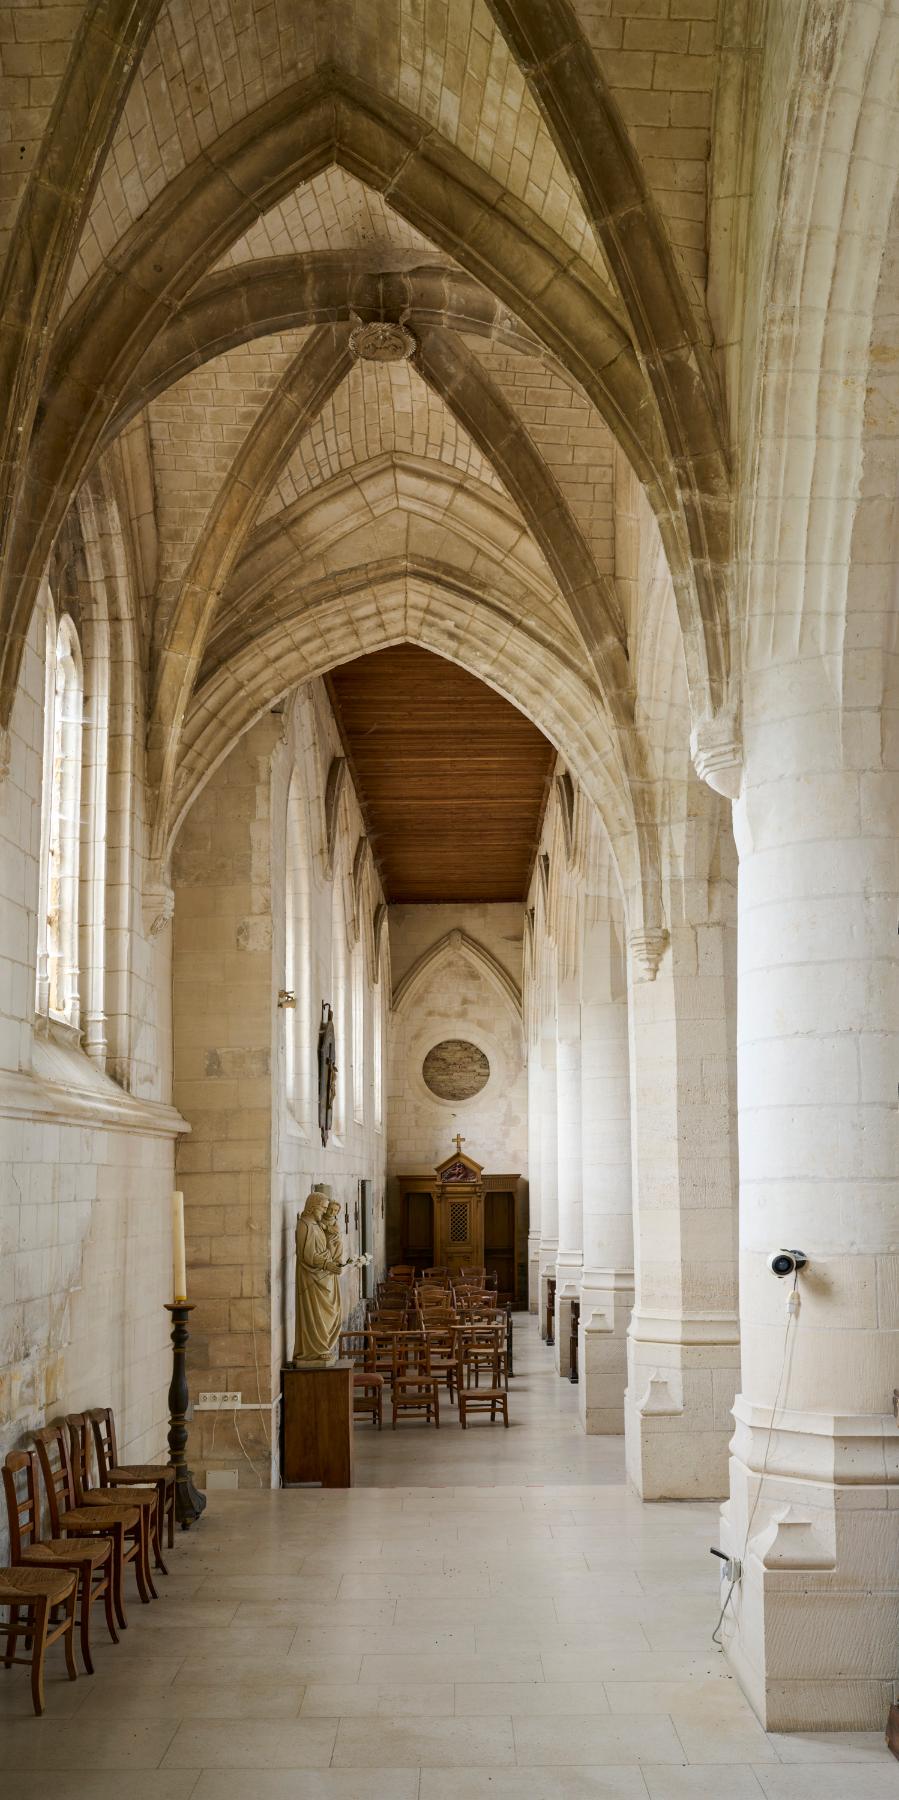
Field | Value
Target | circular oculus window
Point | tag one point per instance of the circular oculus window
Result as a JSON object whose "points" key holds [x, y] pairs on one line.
{"points": [[455, 1070]]}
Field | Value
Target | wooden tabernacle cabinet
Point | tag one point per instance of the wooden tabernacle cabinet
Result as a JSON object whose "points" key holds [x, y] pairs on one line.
{"points": [[460, 1217]]}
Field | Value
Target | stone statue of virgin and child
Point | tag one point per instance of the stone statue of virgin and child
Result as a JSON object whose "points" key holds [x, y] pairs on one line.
{"points": [[319, 1261]]}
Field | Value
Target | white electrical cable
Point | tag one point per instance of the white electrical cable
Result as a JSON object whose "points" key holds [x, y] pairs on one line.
{"points": [[783, 1382]]}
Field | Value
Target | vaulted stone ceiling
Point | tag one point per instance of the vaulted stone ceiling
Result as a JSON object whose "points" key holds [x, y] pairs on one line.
{"points": [[217, 204]]}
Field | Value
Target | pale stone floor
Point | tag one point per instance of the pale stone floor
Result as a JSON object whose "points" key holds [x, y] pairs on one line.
{"points": [[487, 1616]]}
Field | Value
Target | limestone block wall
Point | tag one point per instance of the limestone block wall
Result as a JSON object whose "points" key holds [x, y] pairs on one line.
{"points": [[334, 930], [222, 999], [258, 888], [86, 1166], [456, 971]]}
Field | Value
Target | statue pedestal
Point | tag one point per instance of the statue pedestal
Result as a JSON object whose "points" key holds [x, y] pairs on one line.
{"points": [[317, 1425]]}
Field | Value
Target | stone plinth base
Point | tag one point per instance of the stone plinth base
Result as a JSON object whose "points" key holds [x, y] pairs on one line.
{"points": [[812, 1629], [682, 1377], [607, 1300]]}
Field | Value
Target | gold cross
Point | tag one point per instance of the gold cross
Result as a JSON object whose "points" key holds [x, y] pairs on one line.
{"points": [[459, 1141]]}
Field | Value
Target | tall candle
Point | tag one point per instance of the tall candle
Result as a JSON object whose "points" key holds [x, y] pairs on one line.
{"points": [[179, 1259]]}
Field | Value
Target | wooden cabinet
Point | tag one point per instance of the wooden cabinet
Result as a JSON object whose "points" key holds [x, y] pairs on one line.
{"points": [[462, 1217]]}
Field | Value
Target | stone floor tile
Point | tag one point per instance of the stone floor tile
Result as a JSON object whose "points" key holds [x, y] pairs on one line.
{"points": [[185, 1700], [313, 1784], [529, 1698], [252, 1744], [361, 1699], [450, 1666], [737, 1782], [583, 1738], [717, 1740], [532, 1784], [871, 1780], [704, 1699], [118, 1784], [424, 1743], [86, 1744]]}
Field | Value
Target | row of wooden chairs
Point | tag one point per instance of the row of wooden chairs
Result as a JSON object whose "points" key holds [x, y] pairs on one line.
{"points": [[415, 1363], [95, 1534]]}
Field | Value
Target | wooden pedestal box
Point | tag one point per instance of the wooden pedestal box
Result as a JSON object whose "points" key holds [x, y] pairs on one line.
{"points": [[317, 1426]]}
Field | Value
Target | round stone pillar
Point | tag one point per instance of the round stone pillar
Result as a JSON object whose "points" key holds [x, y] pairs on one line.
{"points": [[534, 1174], [813, 1627], [549, 1168], [683, 1339], [607, 1282], [570, 1256]]}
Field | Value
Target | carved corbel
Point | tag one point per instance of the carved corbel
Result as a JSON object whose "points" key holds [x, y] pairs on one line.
{"points": [[716, 747], [658, 1401], [157, 902], [647, 949], [791, 1541]]}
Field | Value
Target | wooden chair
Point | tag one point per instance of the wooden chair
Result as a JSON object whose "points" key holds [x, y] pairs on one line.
{"points": [[121, 1523], [144, 1498], [485, 1349], [368, 1384], [475, 1399], [90, 1561], [416, 1389], [442, 1351], [38, 1593], [114, 1474]]}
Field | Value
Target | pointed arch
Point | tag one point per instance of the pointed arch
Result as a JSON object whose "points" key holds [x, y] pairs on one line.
{"points": [[459, 943]]}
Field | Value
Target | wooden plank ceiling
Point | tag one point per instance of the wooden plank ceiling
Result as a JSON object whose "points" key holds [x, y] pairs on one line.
{"points": [[452, 779]]}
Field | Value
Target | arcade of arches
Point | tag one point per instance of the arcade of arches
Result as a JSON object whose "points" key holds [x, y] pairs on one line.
{"points": [[449, 486]]}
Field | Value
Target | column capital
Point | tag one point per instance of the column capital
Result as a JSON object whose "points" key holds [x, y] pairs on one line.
{"points": [[157, 900], [647, 949], [716, 746]]}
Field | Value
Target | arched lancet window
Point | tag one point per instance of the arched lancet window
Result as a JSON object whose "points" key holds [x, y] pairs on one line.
{"points": [[359, 1069], [299, 1025], [57, 960], [377, 1053], [342, 1024]]}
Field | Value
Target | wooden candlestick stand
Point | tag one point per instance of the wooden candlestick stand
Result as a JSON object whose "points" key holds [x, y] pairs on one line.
{"points": [[189, 1502]]}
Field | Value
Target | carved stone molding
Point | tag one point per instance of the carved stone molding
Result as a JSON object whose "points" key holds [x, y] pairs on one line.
{"points": [[717, 750], [157, 905], [647, 949], [380, 341]]}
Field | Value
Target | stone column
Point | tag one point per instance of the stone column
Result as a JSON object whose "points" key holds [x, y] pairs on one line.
{"points": [[814, 1478], [534, 1173], [683, 1341], [570, 1257], [607, 1287], [549, 1168]]}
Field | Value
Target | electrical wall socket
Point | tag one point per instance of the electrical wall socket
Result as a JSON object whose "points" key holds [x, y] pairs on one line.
{"points": [[217, 1402]]}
